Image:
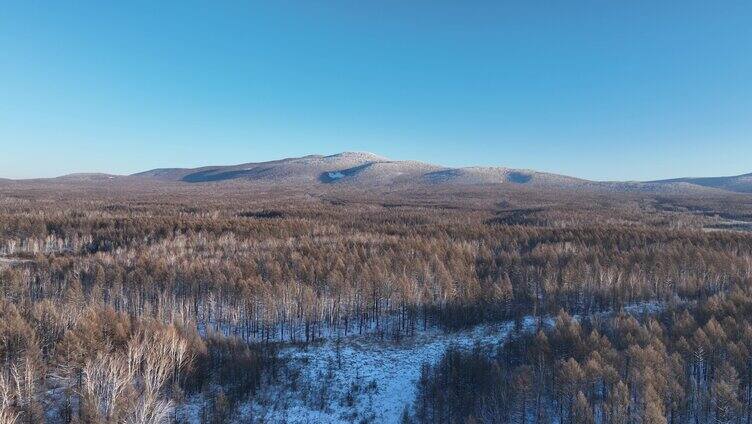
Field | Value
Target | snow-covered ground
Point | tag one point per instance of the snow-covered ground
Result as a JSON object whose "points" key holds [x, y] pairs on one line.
{"points": [[4, 260], [366, 379], [336, 175], [357, 379]]}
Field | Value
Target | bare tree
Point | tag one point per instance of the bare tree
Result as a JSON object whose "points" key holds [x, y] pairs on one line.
{"points": [[8, 414]]}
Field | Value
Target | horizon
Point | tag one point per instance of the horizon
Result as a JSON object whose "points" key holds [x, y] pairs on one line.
{"points": [[84, 172], [602, 92]]}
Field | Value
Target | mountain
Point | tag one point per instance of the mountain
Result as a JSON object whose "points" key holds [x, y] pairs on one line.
{"points": [[358, 168], [361, 170], [737, 183], [496, 175], [306, 169]]}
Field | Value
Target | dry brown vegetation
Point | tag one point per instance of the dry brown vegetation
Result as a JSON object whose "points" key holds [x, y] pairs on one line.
{"points": [[121, 299]]}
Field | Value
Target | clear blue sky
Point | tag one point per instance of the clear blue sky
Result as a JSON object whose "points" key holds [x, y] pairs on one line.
{"points": [[596, 89]]}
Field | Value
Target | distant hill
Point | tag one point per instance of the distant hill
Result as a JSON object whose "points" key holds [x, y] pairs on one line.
{"points": [[737, 183], [88, 177], [307, 169], [361, 170]]}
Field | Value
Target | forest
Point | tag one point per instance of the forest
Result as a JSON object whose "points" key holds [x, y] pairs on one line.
{"points": [[688, 364], [117, 306]]}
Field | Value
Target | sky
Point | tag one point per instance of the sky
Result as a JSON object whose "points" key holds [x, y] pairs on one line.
{"points": [[599, 89]]}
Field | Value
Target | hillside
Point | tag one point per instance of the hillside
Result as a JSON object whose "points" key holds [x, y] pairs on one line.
{"points": [[737, 183], [312, 168], [364, 170], [361, 171]]}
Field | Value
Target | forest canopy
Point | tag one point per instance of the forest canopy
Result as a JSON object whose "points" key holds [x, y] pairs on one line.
{"points": [[124, 303]]}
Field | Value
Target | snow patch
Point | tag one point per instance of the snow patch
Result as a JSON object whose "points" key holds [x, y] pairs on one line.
{"points": [[363, 379], [335, 175], [367, 378]]}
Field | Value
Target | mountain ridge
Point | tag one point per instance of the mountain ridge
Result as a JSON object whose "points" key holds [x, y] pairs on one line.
{"points": [[736, 183], [368, 170]]}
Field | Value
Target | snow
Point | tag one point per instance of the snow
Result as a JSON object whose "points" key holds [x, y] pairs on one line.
{"points": [[11, 261], [366, 378], [335, 175], [385, 374], [355, 379]]}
